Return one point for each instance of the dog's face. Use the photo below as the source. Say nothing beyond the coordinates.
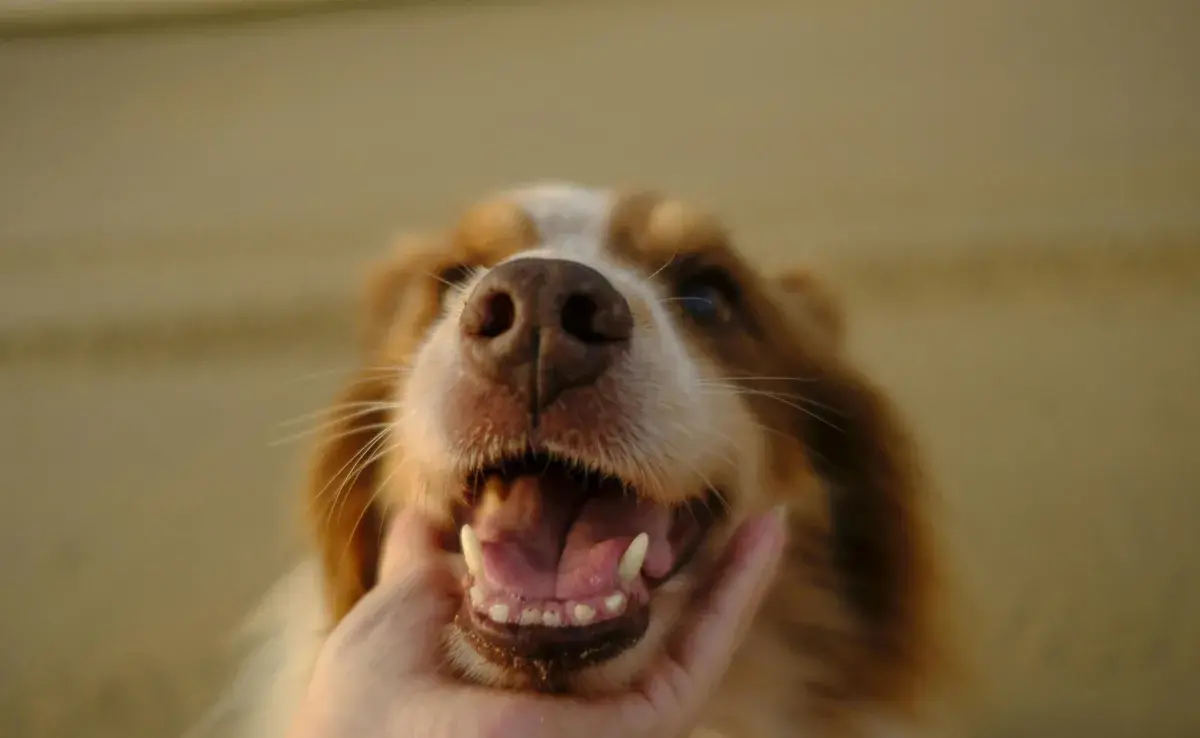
(587, 392)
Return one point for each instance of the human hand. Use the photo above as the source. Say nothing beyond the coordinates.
(378, 673)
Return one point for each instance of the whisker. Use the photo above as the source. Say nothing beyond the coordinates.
(731, 445)
(359, 408)
(756, 378)
(379, 451)
(439, 278)
(664, 266)
(815, 416)
(769, 429)
(379, 488)
(351, 461)
(784, 399)
(695, 470)
(335, 422)
(368, 377)
(681, 298)
(330, 438)
(373, 370)
(735, 389)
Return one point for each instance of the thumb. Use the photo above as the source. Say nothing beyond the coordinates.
(697, 663)
(399, 622)
(410, 547)
(675, 691)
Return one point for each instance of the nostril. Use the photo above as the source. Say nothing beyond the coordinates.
(497, 316)
(579, 319)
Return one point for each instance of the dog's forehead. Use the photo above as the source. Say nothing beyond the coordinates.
(571, 220)
(619, 232)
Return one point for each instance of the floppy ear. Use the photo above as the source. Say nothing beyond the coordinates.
(343, 481)
(880, 548)
(812, 306)
(389, 286)
(882, 540)
(347, 470)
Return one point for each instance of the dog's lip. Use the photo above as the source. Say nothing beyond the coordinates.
(569, 647)
(522, 453)
(541, 651)
(565, 648)
(471, 472)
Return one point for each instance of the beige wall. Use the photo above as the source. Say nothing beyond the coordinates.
(29, 14)
(184, 212)
(871, 126)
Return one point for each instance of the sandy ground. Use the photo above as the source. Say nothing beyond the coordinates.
(1010, 197)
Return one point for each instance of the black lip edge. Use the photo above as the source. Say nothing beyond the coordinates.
(542, 648)
(502, 463)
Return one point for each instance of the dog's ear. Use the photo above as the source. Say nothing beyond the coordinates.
(882, 540)
(382, 292)
(343, 482)
(861, 588)
(398, 286)
(880, 546)
(811, 305)
(343, 495)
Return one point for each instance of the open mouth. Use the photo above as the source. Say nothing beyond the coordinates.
(563, 560)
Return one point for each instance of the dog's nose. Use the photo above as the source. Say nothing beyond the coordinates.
(543, 326)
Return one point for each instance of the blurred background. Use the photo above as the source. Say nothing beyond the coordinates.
(1007, 192)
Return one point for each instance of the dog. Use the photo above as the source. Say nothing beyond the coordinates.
(588, 390)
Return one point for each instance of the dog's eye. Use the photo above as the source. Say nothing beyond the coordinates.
(707, 298)
(452, 276)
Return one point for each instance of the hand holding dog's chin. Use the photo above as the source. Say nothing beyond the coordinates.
(377, 675)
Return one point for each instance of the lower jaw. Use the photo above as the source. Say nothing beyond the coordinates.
(547, 657)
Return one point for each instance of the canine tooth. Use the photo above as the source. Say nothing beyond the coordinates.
(498, 613)
(615, 602)
(584, 614)
(531, 617)
(551, 619)
(477, 596)
(472, 551)
(633, 558)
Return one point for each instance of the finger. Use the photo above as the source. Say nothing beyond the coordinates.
(410, 546)
(704, 652)
(416, 585)
(399, 623)
(672, 695)
(743, 580)
(668, 701)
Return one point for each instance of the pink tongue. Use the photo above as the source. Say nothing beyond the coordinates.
(523, 541)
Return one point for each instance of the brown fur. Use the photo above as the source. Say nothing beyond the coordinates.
(852, 627)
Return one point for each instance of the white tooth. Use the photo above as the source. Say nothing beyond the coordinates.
(498, 613)
(531, 617)
(615, 602)
(551, 619)
(472, 551)
(584, 614)
(477, 596)
(634, 557)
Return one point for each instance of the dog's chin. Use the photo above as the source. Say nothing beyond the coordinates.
(566, 566)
